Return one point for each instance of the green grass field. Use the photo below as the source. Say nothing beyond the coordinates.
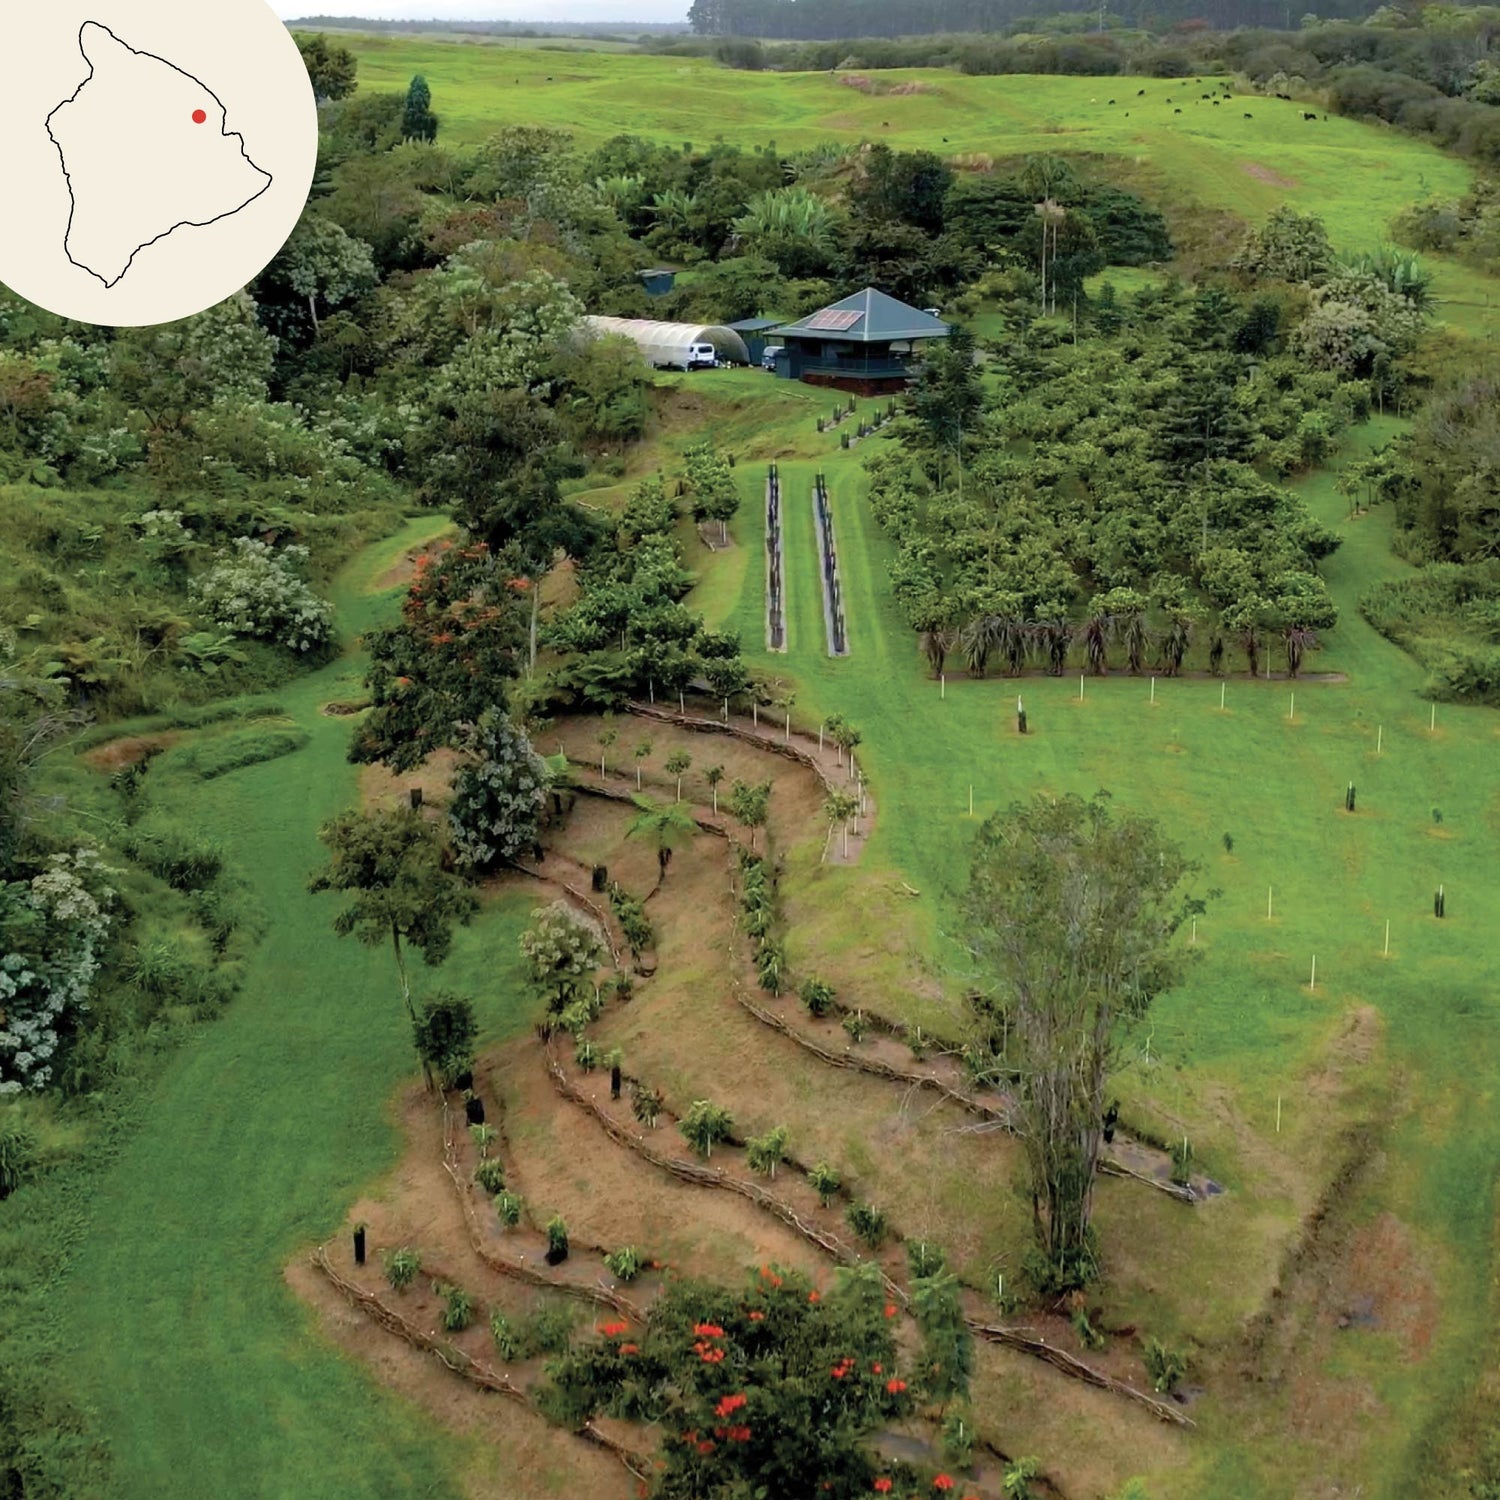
(1247, 1019)
(256, 1137)
(1356, 176)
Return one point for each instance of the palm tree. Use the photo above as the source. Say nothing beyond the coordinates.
(1298, 639)
(1096, 632)
(667, 825)
(1176, 641)
(841, 807)
(714, 775)
(977, 639)
(936, 645)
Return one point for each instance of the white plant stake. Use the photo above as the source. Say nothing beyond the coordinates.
(1387, 952)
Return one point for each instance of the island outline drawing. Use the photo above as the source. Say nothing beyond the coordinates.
(146, 150)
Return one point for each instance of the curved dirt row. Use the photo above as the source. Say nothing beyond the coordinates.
(830, 1244)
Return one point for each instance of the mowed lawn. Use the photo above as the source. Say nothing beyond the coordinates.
(1271, 774)
(1357, 176)
(206, 1371)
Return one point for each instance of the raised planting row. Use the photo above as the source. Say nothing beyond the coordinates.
(775, 587)
(833, 601)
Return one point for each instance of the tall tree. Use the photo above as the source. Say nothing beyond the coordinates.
(667, 825)
(1071, 913)
(331, 70)
(391, 864)
(418, 123)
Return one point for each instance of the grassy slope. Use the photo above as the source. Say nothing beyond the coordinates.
(256, 1138)
(1246, 1019)
(1358, 177)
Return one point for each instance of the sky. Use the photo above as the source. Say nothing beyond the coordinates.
(492, 10)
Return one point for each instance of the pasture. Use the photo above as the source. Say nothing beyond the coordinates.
(1247, 1034)
(1358, 177)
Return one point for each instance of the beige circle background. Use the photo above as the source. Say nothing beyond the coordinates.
(241, 50)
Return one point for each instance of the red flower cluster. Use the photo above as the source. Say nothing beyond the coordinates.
(708, 1330)
(757, 1316)
(734, 1434)
(942, 1482)
(706, 1446)
(883, 1485)
(613, 1330)
(710, 1354)
(842, 1368)
(891, 1309)
(876, 1368)
(895, 1387)
(767, 1274)
(630, 1348)
(728, 1405)
(815, 1296)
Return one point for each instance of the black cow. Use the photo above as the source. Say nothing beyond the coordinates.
(1248, 115)
(1308, 115)
(1176, 111)
(1140, 93)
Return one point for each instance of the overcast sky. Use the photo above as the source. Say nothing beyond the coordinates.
(493, 10)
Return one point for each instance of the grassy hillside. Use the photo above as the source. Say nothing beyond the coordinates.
(1356, 176)
(1246, 1029)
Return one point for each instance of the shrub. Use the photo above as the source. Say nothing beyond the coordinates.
(508, 1206)
(868, 1223)
(550, 1328)
(490, 1174)
(1164, 1366)
(557, 1240)
(766, 1152)
(925, 1259)
(826, 1182)
(704, 1125)
(857, 1027)
(770, 967)
(18, 1150)
(255, 591)
(401, 1267)
(186, 861)
(1018, 1477)
(1182, 1162)
(626, 1263)
(444, 1034)
(817, 995)
(509, 1344)
(483, 1136)
(246, 747)
(586, 1055)
(458, 1308)
(561, 952)
(646, 1104)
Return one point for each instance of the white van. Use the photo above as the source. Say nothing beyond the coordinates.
(702, 357)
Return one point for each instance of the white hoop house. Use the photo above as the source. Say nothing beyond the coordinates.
(675, 345)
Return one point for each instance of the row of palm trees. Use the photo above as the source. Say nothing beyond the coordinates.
(1015, 644)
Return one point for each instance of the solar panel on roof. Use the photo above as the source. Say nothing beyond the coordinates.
(834, 320)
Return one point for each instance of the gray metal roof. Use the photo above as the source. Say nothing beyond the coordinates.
(753, 325)
(868, 317)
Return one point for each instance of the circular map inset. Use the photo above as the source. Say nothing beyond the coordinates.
(159, 154)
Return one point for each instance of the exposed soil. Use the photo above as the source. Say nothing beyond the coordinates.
(404, 569)
(1265, 174)
(130, 750)
(379, 786)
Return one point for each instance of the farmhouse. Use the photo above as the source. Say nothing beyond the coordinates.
(864, 344)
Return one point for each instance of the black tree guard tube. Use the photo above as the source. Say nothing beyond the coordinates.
(833, 599)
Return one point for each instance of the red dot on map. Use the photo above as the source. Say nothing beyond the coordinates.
(199, 116)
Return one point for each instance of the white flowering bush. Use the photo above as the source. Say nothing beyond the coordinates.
(497, 804)
(52, 930)
(256, 591)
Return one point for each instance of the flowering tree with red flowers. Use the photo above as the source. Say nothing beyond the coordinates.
(461, 637)
(773, 1390)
